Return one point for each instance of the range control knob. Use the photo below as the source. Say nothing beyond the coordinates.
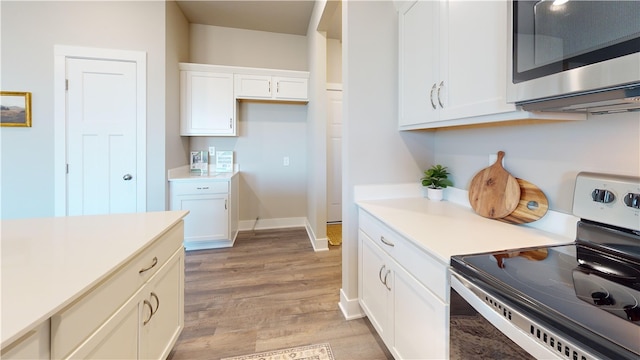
(603, 196)
(632, 200)
(633, 312)
(602, 298)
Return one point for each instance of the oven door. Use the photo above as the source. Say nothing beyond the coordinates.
(471, 336)
(520, 334)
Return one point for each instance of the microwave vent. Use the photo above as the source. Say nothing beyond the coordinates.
(625, 98)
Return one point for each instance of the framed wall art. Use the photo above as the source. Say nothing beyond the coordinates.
(15, 108)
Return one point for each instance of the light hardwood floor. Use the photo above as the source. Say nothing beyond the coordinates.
(270, 291)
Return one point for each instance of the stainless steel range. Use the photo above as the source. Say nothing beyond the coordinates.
(574, 301)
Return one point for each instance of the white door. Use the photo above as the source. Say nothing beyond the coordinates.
(101, 136)
(334, 156)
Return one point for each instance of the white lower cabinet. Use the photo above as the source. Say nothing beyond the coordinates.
(137, 313)
(212, 221)
(160, 322)
(409, 317)
(419, 320)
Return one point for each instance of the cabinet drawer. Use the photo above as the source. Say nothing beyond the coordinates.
(423, 267)
(71, 326)
(199, 187)
(379, 233)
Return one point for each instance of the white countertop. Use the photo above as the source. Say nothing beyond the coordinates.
(183, 173)
(444, 229)
(49, 262)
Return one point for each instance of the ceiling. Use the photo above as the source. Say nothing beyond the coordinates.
(286, 17)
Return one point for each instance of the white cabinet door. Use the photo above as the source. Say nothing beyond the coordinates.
(207, 104)
(117, 338)
(474, 62)
(452, 61)
(420, 320)
(252, 86)
(419, 63)
(208, 217)
(374, 294)
(162, 309)
(265, 87)
(287, 88)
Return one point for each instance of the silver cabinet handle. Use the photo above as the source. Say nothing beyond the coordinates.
(127, 177)
(440, 88)
(230, 123)
(269, 87)
(154, 263)
(386, 242)
(433, 88)
(225, 204)
(147, 303)
(385, 280)
(380, 273)
(153, 295)
(202, 188)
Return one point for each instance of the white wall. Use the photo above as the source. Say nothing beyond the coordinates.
(334, 61)
(238, 47)
(548, 155)
(29, 32)
(374, 151)
(267, 132)
(317, 130)
(177, 50)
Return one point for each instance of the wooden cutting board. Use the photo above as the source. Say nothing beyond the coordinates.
(494, 193)
(532, 206)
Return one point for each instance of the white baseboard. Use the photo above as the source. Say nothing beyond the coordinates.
(204, 245)
(321, 244)
(265, 224)
(350, 307)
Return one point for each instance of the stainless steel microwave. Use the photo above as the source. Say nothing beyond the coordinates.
(574, 55)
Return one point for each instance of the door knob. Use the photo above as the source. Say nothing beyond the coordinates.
(127, 177)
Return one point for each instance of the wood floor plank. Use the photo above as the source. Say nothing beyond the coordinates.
(270, 291)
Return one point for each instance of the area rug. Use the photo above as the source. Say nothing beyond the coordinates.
(334, 233)
(310, 352)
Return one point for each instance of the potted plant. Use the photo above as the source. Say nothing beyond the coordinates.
(436, 180)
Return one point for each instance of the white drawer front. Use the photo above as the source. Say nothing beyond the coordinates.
(379, 233)
(426, 269)
(71, 326)
(199, 187)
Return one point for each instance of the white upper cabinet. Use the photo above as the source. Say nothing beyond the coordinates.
(209, 94)
(419, 65)
(265, 87)
(207, 105)
(452, 66)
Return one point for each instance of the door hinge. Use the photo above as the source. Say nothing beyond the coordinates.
(66, 84)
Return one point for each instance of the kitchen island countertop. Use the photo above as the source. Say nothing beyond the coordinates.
(444, 229)
(47, 263)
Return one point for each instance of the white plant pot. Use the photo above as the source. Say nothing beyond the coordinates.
(435, 194)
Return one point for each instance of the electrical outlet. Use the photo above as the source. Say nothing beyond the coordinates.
(285, 161)
(493, 158)
(212, 151)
